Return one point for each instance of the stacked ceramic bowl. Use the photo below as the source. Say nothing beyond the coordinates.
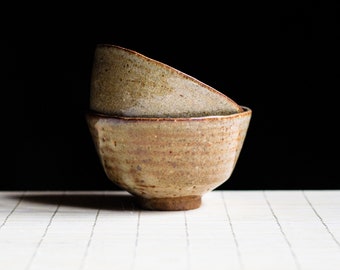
(160, 134)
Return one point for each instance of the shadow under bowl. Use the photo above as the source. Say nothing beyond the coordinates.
(169, 163)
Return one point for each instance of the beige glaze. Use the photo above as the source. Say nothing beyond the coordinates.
(127, 83)
(169, 163)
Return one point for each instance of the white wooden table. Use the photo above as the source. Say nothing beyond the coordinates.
(231, 230)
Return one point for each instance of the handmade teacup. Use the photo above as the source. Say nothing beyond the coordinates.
(127, 83)
(169, 163)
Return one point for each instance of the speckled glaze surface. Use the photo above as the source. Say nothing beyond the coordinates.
(169, 163)
(127, 83)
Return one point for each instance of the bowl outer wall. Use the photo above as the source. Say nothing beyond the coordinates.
(169, 157)
(127, 83)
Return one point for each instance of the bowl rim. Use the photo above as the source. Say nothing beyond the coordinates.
(246, 111)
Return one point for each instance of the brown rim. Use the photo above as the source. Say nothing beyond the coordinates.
(246, 111)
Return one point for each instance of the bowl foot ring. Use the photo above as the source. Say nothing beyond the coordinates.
(170, 204)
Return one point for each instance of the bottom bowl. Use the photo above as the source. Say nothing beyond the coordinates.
(169, 163)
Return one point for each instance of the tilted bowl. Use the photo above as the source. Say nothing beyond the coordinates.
(127, 83)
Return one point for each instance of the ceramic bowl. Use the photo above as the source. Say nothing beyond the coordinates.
(169, 163)
(127, 83)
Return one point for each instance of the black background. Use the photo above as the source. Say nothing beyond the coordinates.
(278, 59)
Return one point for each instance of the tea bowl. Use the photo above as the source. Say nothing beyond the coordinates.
(169, 163)
(127, 83)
